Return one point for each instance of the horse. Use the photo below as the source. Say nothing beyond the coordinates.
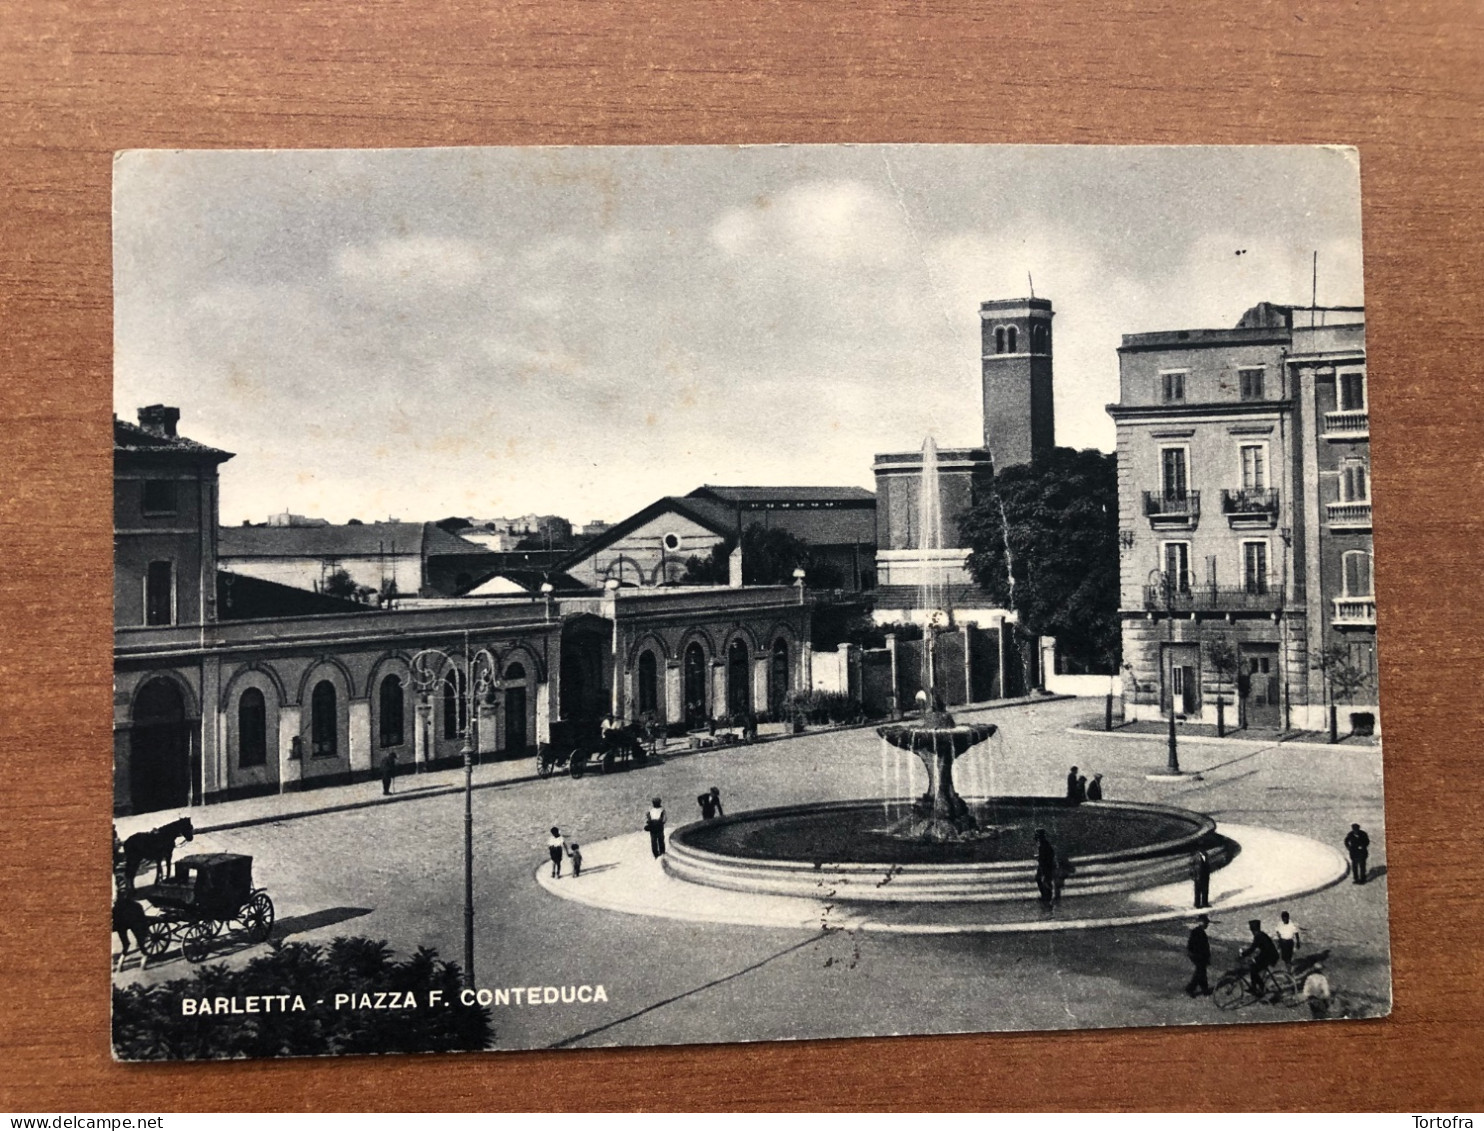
(157, 845)
(129, 917)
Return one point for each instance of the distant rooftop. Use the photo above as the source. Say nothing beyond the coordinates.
(782, 496)
(353, 540)
(1264, 323)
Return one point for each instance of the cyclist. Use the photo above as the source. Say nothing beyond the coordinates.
(1260, 956)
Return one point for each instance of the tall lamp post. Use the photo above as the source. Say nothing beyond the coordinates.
(478, 679)
(799, 582)
(1165, 580)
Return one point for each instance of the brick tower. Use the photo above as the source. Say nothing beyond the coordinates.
(1019, 421)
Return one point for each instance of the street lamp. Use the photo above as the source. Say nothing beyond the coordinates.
(1165, 580)
(546, 591)
(477, 681)
(799, 582)
(611, 587)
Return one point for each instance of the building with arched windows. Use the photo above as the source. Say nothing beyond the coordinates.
(228, 685)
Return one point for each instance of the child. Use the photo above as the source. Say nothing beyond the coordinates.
(574, 850)
(554, 846)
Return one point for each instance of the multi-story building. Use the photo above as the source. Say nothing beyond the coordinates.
(1243, 486)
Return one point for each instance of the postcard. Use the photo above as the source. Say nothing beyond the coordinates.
(571, 597)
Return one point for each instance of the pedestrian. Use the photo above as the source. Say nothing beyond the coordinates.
(556, 847)
(1286, 934)
(1198, 949)
(574, 850)
(1200, 875)
(1358, 844)
(1072, 786)
(1095, 788)
(1046, 881)
(1261, 954)
(1316, 992)
(654, 825)
(749, 727)
(1081, 794)
(388, 771)
(710, 804)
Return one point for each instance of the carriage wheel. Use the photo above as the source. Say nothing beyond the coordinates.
(610, 759)
(257, 917)
(157, 938)
(1230, 992)
(578, 765)
(544, 766)
(195, 942)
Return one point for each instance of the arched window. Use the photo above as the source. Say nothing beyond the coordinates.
(739, 678)
(515, 673)
(778, 677)
(649, 684)
(999, 339)
(252, 729)
(1010, 340)
(1357, 571)
(323, 740)
(455, 704)
(695, 684)
(389, 708)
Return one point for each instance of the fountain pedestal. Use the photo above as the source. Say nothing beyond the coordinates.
(940, 814)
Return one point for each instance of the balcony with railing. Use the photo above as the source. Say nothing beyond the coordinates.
(1349, 424)
(1184, 594)
(1353, 514)
(1251, 508)
(1355, 612)
(1166, 510)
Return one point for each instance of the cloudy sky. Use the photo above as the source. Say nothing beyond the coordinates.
(417, 333)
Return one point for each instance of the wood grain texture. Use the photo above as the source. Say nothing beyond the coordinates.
(79, 80)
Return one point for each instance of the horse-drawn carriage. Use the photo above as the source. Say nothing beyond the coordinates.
(206, 895)
(578, 745)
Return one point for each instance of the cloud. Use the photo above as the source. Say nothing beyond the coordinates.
(402, 263)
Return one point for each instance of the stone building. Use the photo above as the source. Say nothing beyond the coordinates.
(1225, 515)
(268, 687)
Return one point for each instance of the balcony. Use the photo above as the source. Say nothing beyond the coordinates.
(1251, 508)
(1355, 612)
(1354, 515)
(1170, 511)
(1258, 595)
(1351, 425)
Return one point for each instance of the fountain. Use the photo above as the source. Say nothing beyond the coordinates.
(945, 848)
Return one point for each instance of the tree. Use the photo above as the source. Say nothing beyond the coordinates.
(1044, 543)
(149, 1022)
(1342, 679)
(1224, 660)
(453, 524)
(339, 583)
(769, 557)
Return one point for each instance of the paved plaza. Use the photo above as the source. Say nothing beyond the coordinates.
(347, 863)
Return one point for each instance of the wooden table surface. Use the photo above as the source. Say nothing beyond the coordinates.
(81, 79)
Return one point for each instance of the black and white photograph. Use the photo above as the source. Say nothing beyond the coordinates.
(570, 597)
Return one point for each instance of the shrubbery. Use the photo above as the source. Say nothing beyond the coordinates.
(825, 707)
(149, 1022)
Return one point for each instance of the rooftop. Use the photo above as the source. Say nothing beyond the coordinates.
(369, 539)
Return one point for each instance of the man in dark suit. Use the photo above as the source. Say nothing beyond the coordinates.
(1047, 881)
(1200, 874)
(1261, 954)
(1072, 786)
(1358, 844)
(1198, 948)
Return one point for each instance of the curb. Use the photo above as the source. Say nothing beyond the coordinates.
(444, 790)
(1206, 740)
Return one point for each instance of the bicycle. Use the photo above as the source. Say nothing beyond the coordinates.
(1234, 989)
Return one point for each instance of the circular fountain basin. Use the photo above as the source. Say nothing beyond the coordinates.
(845, 850)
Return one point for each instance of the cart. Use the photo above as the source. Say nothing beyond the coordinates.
(207, 895)
(576, 745)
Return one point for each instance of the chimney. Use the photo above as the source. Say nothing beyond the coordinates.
(159, 419)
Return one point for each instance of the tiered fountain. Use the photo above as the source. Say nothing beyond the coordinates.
(939, 846)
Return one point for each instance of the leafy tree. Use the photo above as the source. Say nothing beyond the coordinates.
(149, 1022)
(1052, 526)
(339, 583)
(1342, 679)
(769, 557)
(1224, 660)
(453, 524)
